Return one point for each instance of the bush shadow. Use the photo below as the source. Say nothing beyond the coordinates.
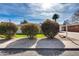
(3, 40)
(22, 43)
(50, 43)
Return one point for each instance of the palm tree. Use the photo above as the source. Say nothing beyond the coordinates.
(23, 22)
(55, 17)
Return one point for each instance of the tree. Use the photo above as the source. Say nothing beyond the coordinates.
(8, 29)
(55, 17)
(23, 22)
(50, 28)
(75, 17)
(30, 29)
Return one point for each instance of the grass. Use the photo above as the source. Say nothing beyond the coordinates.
(21, 35)
(40, 36)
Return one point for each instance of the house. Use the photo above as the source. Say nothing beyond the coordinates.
(19, 30)
(71, 27)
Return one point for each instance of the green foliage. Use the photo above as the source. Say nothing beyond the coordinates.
(24, 21)
(30, 29)
(55, 16)
(50, 28)
(8, 29)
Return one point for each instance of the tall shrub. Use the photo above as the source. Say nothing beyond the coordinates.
(50, 28)
(8, 29)
(30, 29)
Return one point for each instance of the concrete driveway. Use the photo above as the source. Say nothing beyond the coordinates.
(58, 42)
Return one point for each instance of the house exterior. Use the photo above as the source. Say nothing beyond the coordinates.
(19, 30)
(71, 27)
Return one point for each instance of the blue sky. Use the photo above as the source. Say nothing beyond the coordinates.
(36, 12)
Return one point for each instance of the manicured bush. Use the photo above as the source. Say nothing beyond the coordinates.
(30, 29)
(50, 28)
(8, 29)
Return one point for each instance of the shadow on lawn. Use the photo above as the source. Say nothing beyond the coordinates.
(50, 43)
(21, 43)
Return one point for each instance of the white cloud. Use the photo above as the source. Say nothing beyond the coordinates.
(37, 10)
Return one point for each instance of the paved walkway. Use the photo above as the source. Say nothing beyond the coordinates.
(39, 43)
(74, 36)
(58, 42)
(34, 43)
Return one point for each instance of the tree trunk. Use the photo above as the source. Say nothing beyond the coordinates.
(55, 20)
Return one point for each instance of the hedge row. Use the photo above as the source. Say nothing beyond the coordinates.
(48, 27)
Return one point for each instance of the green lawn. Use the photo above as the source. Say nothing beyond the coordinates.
(40, 35)
(21, 35)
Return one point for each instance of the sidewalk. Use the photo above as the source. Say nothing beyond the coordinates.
(74, 36)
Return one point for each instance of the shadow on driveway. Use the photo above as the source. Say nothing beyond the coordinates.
(42, 43)
(50, 43)
(3, 40)
(22, 43)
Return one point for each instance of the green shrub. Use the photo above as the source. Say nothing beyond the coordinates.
(8, 29)
(30, 29)
(50, 28)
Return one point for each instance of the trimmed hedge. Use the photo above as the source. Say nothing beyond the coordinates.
(8, 29)
(50, 28)
(30, 29)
